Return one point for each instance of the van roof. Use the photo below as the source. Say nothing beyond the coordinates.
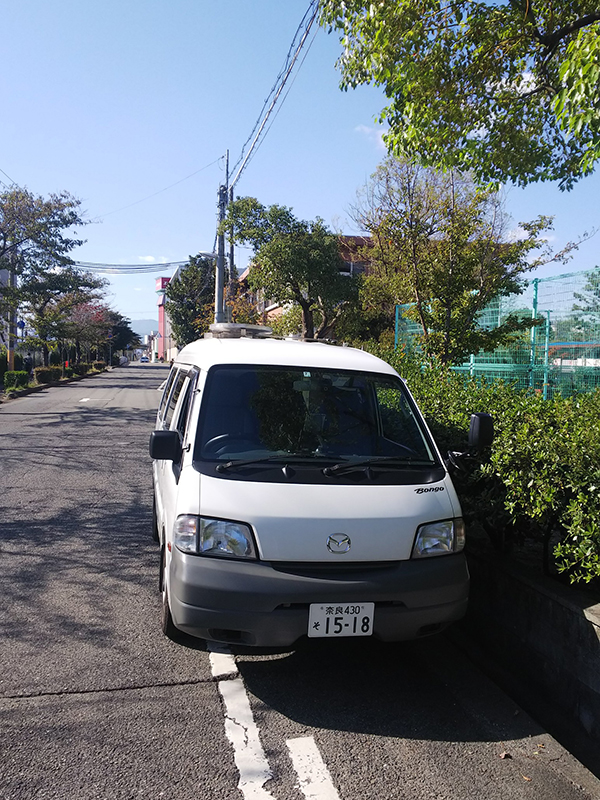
(206, 353)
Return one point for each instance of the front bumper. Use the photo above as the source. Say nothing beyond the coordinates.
(266, 604)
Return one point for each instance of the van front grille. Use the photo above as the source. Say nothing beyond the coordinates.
(332, 570)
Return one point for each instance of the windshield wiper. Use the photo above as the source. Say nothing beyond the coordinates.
(388, 461)
(285, 458)
(243, 462)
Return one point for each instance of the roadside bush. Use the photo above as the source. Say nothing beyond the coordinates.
(3, 362)
(99, 366)
(69, 372)
(15, 379)
(82, 368)
(47, 374)
(540, 479)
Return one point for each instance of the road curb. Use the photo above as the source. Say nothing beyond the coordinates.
(15, 394)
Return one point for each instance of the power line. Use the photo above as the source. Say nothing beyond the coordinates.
(134, 269)
(273, 88)
(160, 191)
(277, 89)
(14, 183)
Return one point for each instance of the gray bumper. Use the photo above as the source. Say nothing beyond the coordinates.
(263, 604)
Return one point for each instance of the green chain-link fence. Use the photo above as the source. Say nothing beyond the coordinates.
(559, 355)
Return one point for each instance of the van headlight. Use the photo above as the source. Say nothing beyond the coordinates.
(439, 538)
(213, 537)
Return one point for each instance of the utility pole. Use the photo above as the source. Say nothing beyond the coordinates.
(231, 244)
(12, 317)
(220, 273)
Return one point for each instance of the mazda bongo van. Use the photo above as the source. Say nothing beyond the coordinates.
(298, 492)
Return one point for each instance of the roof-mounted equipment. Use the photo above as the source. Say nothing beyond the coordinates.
(237, 330)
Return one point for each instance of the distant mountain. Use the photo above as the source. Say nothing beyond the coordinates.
(143, 326)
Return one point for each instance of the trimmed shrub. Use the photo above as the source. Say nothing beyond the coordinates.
(99, 366)
(69, 372)
(15, 379)
(82, 368)
(47, 374)
(539, 481)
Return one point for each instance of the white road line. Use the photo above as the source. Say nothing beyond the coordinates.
(313, 775)
(242, 732)
(84, 400)
(222, 663)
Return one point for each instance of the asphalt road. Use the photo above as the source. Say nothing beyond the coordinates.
(96, 703)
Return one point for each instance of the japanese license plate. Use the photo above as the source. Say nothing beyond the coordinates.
(341, 619)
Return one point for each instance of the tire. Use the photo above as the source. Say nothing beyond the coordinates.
(166, 620)
(155, 535)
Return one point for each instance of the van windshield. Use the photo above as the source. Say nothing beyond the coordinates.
(264, 412)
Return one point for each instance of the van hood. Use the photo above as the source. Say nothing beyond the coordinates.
(293, 522)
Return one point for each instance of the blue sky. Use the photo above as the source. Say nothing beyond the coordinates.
(114, 101)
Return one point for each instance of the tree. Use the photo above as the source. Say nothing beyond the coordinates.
(509, 90)
(295, 262)
(33, 230)
(35, 241)
(239, 302)
(88, 329)
(122, 336)
(439, 246)
(49, 298)
(190, 300)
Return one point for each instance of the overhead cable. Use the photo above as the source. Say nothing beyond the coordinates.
(160, 191)
(131, 269)
(314, 7)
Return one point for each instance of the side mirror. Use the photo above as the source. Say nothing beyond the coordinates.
(481, 431)
(165, 446)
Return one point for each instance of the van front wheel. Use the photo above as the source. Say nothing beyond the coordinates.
(166, 621)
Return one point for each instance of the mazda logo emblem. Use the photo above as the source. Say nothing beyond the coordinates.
(338, 543)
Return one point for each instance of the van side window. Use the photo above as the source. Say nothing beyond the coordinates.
(166, 392)
(184, 409)
(180, 380)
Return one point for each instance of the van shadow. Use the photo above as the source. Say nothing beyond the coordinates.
(421, 690)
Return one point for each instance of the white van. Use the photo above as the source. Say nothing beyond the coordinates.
(298, 492)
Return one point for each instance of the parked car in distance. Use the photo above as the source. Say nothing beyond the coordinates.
(144, 359)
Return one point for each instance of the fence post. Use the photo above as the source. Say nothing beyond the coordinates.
(534, 312)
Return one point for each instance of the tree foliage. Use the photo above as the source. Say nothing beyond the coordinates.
(439, 246)
(35, 231)
(36, 237)
(509, 90)
(48, 299)
(295, 262)
(190, 300)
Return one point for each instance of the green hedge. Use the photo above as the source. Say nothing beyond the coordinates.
(4, 362)
(82, 368)
(15, 379)
(47, 374)
(99, 366)
(540, 479)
